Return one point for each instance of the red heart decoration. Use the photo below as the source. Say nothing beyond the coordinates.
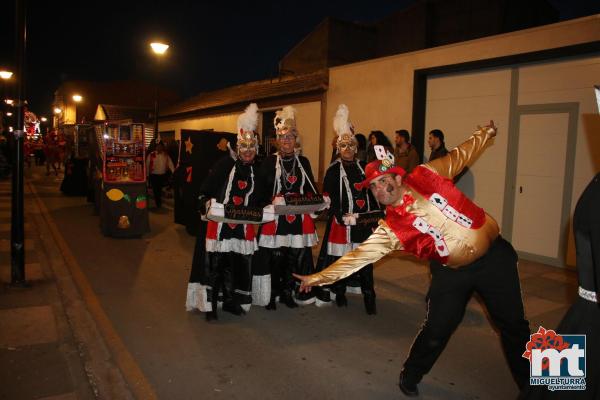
(242, 185)
(232, 226)
(237, 200)
(360, 203)
(290, 218)
(292, 179)
(358, 186)
(440, 247)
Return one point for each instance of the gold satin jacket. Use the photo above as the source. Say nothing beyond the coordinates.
(464, 244)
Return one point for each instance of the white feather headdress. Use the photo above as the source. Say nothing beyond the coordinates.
(341, 123)
(248, 121)
(285, 119)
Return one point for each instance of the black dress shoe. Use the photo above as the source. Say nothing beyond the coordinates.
(272, 305)
(341, 300)
(233, 308)
(288, 300)
(408, 388)
(370, 305)
(211, 316)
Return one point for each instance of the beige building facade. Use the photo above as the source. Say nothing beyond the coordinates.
(536, 84)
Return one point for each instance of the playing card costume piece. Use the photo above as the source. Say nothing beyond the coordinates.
(285, 244)
(199, 151)
(225, 262)
(351, 217)
(583, 318)
(465, 256)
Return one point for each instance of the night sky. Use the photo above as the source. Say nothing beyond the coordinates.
(213, 44)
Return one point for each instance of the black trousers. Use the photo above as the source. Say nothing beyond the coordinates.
(495, 278)
(230, 274)
(364, 276)
(283, 261)
(157, 182)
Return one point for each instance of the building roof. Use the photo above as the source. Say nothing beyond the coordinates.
(253, 91)
(111, 112)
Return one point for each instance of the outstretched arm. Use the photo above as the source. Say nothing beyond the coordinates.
(464, 154)
(381, 242)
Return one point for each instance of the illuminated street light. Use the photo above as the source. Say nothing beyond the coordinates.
(43, 119)
(77, 98)
(9, 102)
(5, 74)
(159, 48)
(57, 110)
(9, 114)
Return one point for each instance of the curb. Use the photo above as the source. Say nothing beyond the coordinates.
(112, 370)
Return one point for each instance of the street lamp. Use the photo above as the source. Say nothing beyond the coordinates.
(77, 99)
(159, 49)
(43, 119)
(5, 74)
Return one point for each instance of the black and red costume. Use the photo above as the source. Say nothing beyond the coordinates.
(343, 185)
(285, 244)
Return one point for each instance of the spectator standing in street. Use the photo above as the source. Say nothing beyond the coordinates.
(361, 141)
(405, 153)
(377, 138)
(157, 165)
(435, 140)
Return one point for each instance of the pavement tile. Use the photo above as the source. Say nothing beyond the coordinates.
(535, 306)
(66, 396)
(26, 326)
(33, 272)
(5, 227)
(565, 276)
(5, 244)
(34, 372)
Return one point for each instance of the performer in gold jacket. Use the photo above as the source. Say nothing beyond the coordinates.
(429, 217)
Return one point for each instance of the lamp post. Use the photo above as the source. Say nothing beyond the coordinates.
(17, 233)
(77, 98)
(159, 49)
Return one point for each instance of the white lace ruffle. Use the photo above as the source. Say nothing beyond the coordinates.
(588, 295)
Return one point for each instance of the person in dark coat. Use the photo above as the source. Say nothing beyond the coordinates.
(346, 226)
(223, 257)
(285, 244)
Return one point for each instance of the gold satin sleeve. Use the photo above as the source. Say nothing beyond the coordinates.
(381, 242)
(462, 155)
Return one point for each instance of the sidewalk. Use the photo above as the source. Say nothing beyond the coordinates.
(50, 347)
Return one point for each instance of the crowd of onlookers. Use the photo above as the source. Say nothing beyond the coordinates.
(49, 149)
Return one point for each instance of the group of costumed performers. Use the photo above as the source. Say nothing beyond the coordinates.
(427, 216)
(237, 199)
(353, 215)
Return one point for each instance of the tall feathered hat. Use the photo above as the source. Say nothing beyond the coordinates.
(343, 127)
(246, 127)
(285, 121)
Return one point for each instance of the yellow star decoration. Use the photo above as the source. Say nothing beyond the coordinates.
(188, 145)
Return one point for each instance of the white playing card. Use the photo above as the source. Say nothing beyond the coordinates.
(437, 200)
(450, 212)
(381, 153)
(464, 221)
(442, 248)
(434, 233)
(420, 224)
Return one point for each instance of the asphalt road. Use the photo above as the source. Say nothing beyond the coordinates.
(305, 353)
